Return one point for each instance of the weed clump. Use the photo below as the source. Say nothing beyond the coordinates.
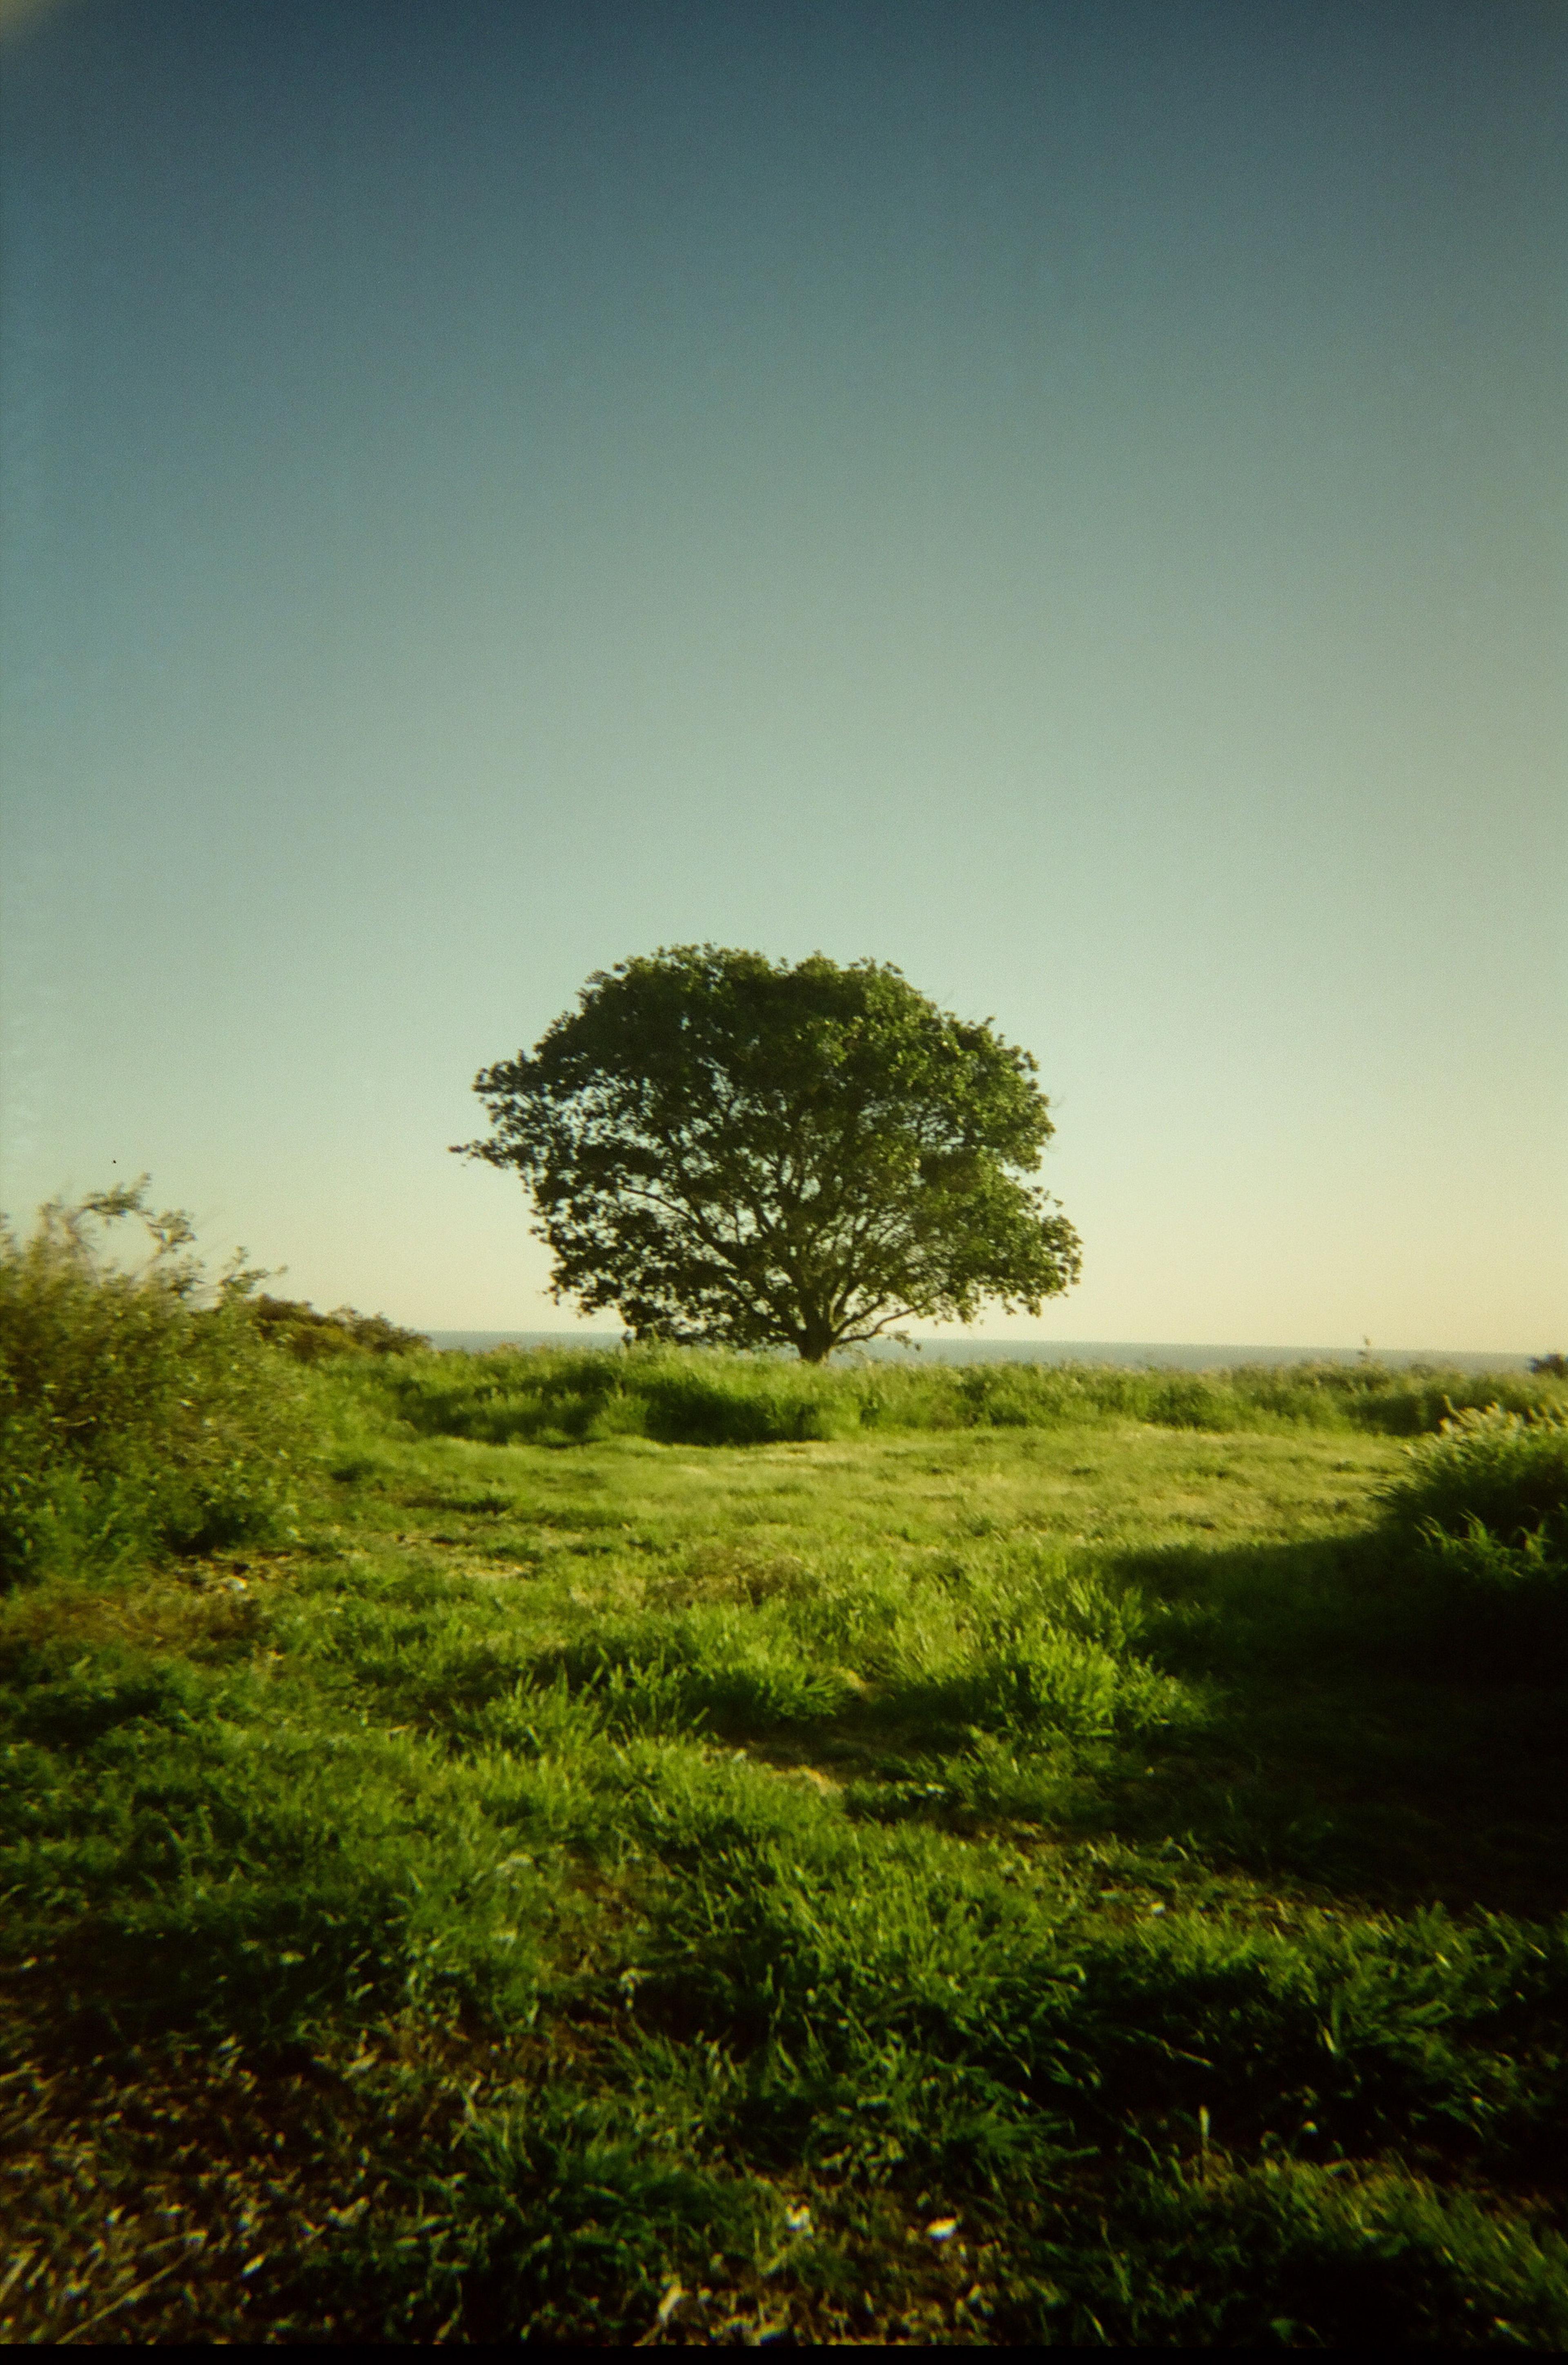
(135, 1418)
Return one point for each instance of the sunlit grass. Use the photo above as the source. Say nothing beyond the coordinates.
(554, 1395)
(981, 1883)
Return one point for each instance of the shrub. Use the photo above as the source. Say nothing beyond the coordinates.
(1484, 1507)
(310, 1338)
(134, 1417)
(1506, 1471)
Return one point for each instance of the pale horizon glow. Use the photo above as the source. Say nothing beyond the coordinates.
(1071, 500)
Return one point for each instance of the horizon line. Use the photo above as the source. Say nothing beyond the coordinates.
(1186, 1345)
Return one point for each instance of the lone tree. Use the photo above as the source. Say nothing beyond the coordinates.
(730, 1149)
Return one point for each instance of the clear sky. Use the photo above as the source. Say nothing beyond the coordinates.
(1070, 499)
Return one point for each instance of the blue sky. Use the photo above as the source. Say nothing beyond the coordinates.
(1068, 498)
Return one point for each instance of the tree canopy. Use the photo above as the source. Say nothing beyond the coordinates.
(732, 1150)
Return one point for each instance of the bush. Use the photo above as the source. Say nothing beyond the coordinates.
(1505, 1470)
(311, 1338)
(1483, 1510)
(135, 1418)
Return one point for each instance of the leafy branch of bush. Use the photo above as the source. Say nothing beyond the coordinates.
(310, 1338)
(140, 1410)
(1506, 1470)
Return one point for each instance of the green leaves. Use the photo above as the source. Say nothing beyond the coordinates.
(733, 1151)
(133, 1420)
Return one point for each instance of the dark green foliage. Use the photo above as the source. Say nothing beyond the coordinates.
(732, 1150)
(1415, 1402)
(1288, 2254)
(555, 1396)
(134, 1417)
(576, 2203)
(1483, 1512)
(1508, 1469)
(312, 1337)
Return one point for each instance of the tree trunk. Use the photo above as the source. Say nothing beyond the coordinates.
(815, 1338)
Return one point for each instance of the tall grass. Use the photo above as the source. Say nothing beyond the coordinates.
(140, 1412)
(1506, 1471)
(555, 1396)
(1481, 1510)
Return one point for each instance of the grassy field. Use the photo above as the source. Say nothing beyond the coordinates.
(1038, 1858)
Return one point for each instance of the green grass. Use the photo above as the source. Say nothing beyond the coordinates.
(554, 1395)
(684, 1848)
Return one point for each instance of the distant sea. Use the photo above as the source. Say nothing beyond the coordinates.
(1137, 1353)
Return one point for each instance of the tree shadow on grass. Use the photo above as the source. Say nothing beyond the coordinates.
(1364, 1739)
